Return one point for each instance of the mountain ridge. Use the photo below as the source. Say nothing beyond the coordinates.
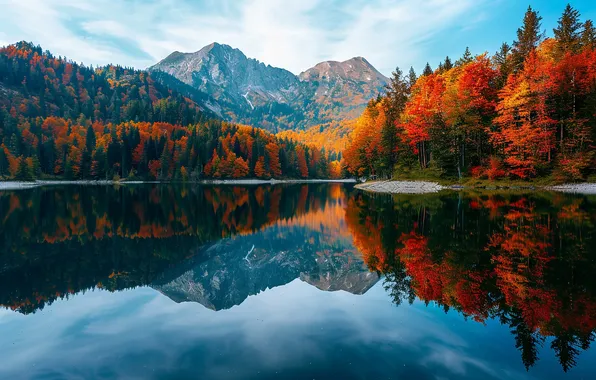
(226, 273)
(252, 92)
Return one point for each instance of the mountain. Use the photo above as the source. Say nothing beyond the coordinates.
(250, 92)
(228, 272)
(226, 72)
(344, 87)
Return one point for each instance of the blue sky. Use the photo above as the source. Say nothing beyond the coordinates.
(293, 34)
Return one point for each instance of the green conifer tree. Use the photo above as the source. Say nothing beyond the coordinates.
(529, 37)
(588, 38)
(23, 172)
(568, 31)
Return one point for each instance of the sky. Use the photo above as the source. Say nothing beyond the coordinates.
(292, 34)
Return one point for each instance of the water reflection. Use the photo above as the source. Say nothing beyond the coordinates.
(522, 261)
(60, 241)
(313, 246)
(525, 260)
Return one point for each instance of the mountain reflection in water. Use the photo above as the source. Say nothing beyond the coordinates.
(523, 261)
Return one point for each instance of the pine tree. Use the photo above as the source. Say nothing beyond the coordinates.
(427, 70)
(448, 65)
(588, 39)
(14, 146)
(466, 58)
(48, 156)
(68, 170)
(115, 108)
(35, 167)
(99, 163)
(566, 347)
(397, 94)
(23, 172)
(412, 78)
(164, 162)
(389, 141)
(86, 164)
(527, 341)
(3, 162)
(568, 31)
(502, 59)
(397, 97)
(529, 37)
(90, 139)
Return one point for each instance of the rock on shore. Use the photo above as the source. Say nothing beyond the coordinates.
(401, 187)
(16, 185)
(579, 188)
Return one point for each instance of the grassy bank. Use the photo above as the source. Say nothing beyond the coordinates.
(431, 175)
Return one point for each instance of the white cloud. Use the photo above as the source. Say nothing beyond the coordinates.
(108, 27)
(293, 34)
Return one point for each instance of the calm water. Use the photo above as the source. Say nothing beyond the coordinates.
(295, 282)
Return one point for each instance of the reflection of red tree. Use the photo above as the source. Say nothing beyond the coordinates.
(516, 277)
(520, 263)
(366, 236)
(428, 277)
(443, 281)
(472, 295)
(522, 255)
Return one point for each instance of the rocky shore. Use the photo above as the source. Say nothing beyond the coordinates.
(271, 181)
(18, 185)
(401, 187)
(579, 188)
(423, 187)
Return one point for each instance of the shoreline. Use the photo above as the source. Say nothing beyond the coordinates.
(379, 187)
(426, 187)
(401, 187)
(20, 185)
(269, 181)
(574, 188)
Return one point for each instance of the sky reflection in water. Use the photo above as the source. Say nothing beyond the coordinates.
(273, 319)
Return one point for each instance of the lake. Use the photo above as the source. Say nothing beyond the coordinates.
(295, 282)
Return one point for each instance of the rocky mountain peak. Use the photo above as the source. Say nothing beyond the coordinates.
(248, 91)
(356, 68)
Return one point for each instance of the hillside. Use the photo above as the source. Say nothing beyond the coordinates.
(37, 84)
(333, 137)
(59, 119)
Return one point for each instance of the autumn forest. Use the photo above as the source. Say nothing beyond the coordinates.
(525, 112)
(64, 120)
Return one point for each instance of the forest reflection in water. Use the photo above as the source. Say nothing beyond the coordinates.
(524, 260)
